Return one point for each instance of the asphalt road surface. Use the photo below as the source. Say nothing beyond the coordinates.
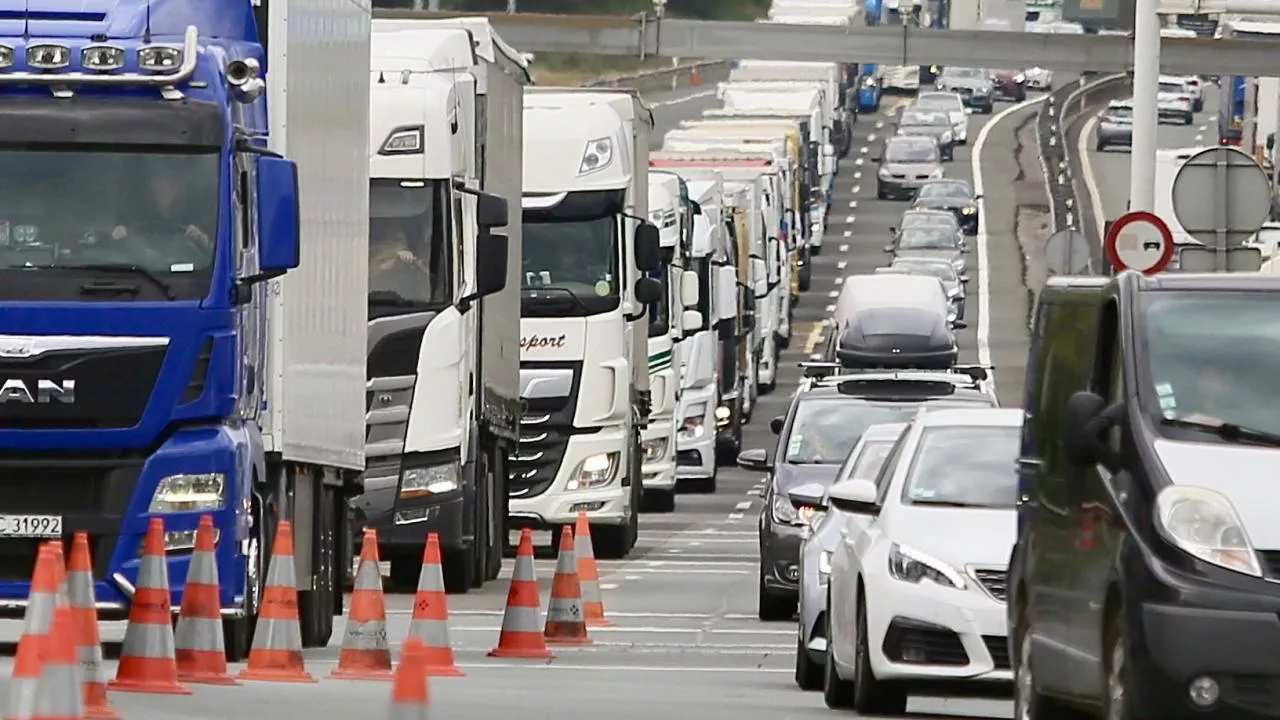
(686, 642)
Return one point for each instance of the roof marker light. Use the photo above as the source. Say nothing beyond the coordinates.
(47, 56)
(159, 58)
(102, 58)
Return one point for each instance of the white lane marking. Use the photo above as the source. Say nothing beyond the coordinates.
(858, 161)
(839, 281)
(984, 253)
(1199, 139)
(661, 631)
(1090, 184)
(842, 265)
(834, 294)
(744, 505)
(879, 124)
(871, 138)
(853, 203)
(735, 516)
(857, 174)
(844, 248)
(685, 99)
(1203, 128)
(857, 189)
(609, 586)
(829, 308)
(848, 220)
(864, 150)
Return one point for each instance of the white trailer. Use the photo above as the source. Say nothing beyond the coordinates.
(584, 369)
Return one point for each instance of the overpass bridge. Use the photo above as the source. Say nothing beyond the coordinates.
(647, 35)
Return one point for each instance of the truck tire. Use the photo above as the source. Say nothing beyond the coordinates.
(237, 633)
(459, 570)
(614, 542)
(498, 513)
(316, 606)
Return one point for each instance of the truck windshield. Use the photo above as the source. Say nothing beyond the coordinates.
(570, 267)
(410, 248)
(68, 214)
(1207, 355)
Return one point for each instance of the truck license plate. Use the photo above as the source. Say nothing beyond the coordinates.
(37, 526)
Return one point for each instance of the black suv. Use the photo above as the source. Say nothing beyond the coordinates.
(828, 414)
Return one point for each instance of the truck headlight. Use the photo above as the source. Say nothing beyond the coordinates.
(596, 156)
(596, 471)
(653, 450)
(420, 482)
(969, 210)
(692, 428)
(1204, 524)
(913, 566)
(193, 492)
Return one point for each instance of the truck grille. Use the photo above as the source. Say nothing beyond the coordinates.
(18, 556)
(112, 388)
(995, 582)
(537, 458)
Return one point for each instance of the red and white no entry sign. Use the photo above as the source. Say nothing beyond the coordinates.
(1139, 241)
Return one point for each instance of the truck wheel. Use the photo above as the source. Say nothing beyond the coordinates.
(459, 570)
(406, 566)
(315, 607)
(612, 542)
(237, 633)
(493, 560)
(659, 501)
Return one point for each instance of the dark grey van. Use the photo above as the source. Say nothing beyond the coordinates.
(1145, 582)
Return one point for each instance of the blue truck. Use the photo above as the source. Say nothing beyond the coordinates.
(1231, 110)
(182, 289)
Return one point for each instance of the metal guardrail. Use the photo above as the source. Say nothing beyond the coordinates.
(1059, 111)
(670, 78)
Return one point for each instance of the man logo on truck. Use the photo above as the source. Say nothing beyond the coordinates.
(46, 391)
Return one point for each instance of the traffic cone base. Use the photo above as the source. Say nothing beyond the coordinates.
(430, 622)
(409, 690)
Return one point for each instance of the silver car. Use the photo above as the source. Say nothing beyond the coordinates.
(1115, 125)
(952, 281)
(930, 123)
(930, 242)
(906, 163)
(1174, 101)
(863, 463)
(975, 87)
(951, 104)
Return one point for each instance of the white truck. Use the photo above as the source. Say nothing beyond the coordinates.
(443, 335)
(770, 262)
(584, 371)
(841, 104)
(671, 321)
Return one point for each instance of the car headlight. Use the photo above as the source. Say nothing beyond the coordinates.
(883, 174)
(969, 210)
(692, 428)
(596, 471)
(1204, 524)
(653, 450)
(824, 565)
(913, 566)
(190, 493)
(420, 482)
(784, 513)
(953, 293)
(1020, 78)
(946, 137)
(936, 174)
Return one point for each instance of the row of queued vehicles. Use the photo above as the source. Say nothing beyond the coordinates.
(446, 300)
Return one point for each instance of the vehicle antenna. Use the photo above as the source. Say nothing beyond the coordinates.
(146, 33)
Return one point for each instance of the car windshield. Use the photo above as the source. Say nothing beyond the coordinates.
(928, 219)
(1120, 113)
(1171, 88)
(1207, 355)
(941, 270)
(940, 102)
(962, 73)
(927, 238)
(824, 430)
(924, 119)
(970, 466)
(947, 190)
(911, 152)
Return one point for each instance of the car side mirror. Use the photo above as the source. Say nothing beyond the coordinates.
(1088, 417)
(279, 217)
(809, 495)
(959, 325)
(775, 425)
(968, 111)
(893, 229)
(888, 248)
(648, 290)
(491, 211)
(755, 459)
(646, 247)
(854, 496)
(964, 279)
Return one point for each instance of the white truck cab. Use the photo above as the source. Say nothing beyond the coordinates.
(586, 289)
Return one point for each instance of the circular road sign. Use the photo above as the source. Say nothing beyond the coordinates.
(1139, 241)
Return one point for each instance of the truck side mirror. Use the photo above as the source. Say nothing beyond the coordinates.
(690, 320)
(648, 290)
(689, 290)
(491, 210)
(647, 250)
(279, 219)
(491, 275)
(726, 292)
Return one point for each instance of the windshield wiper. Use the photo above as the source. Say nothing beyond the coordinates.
(955, 504)
(121, 268)
(1228, 431)
(572, 296)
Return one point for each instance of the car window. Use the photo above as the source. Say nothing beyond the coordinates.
(929, 219)
(942, 102)
(1173, 88)
(928, 238)
(944, 190)
(941, 270)
(911, 152)
(925, 118)
(1123, 113)
(825, 430)
(884, 478)
(964, 465)
(865, 464)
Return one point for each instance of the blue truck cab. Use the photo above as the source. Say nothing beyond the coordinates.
(144, 224)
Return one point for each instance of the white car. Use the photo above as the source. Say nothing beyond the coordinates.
(1038, 78)
(953, 106)
(1174, 100)
(917, 595)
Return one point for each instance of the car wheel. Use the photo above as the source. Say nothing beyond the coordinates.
(1028, 704)
(771, 607)
(1100, 146)
(1118, 691)
(880, 194)
(808, 672)
(1188, 120)
(837, 693)
(872, 696)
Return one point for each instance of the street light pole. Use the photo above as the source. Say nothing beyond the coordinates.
(1146, 114)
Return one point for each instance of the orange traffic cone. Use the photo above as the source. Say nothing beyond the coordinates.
(24, 684)
(366, 655)
(409, 690)
(430, 622)
(565, 624)
(60, 694)
(200, 649)
(277, 641)
(588, 574)
(520, 636)
(147, 663)
(60, 567)
(695, 78)
(85, 611)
